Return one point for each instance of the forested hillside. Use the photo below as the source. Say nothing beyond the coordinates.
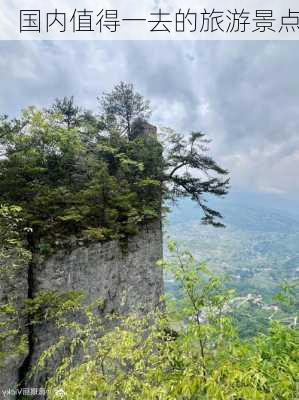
(257, 251)
(258, 247)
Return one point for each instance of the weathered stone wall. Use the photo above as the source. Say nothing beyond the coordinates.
(125, 281)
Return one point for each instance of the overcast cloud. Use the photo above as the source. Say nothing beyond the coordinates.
(244, 95)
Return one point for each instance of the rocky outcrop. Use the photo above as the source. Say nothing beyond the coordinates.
(126, 282)
(142, 128)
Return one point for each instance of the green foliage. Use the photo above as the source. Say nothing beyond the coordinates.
(184, 155)
(289, 294)
(122, 106)
(45, 249)
(251, 320)
(68, 110)
(190, 352)
(75, 173)
(98, 234)
(71, 180)
(13, 263)
(51, 305)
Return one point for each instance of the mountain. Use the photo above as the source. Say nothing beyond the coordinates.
(258, 248)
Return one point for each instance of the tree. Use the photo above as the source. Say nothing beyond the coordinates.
(190, 172)
(68, 110)
(123, 105)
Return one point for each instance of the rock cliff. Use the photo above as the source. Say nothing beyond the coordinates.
(125, 280)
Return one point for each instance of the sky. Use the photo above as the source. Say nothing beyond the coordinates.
(243, 95)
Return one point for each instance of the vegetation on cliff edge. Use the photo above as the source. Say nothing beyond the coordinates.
(76, 173)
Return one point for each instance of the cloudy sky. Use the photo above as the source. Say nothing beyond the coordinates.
(244, 95)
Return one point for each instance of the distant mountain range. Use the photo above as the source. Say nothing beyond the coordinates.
(246, 211)
(258, 249)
